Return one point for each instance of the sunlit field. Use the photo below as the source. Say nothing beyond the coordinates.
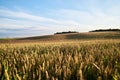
(65, 60)
(59, 39)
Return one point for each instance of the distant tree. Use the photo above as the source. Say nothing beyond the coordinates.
(101, 30)
(66, 32)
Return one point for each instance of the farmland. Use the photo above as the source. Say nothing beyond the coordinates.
(87, 56)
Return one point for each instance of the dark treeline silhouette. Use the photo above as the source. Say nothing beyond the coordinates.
(66, 32)
(101, 30)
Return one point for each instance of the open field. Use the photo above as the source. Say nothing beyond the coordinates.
(93, 57)
(63, 37)
(65, 60)
(59, 39)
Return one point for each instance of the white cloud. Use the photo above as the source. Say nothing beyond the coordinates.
(14, 19)
(22, 15)
(93, 18)
(62, 20)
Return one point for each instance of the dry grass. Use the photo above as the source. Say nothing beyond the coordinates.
(66, 60)
(63, 37)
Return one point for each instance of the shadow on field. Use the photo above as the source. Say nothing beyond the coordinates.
(92, 35)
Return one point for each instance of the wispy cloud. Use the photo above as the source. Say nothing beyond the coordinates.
(93, 18)
(23, 15)
(20, 22)
(15, 22)
(16, 19)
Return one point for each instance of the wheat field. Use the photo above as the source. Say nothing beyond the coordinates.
(65, 60)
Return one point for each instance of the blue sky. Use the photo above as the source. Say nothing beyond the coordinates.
(20, 18)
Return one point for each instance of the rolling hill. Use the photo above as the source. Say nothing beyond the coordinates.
(77, 36)
(69, 36)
